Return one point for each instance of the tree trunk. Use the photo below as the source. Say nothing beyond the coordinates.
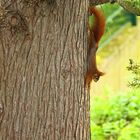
(43, 47)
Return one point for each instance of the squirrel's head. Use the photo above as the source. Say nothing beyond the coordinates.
(97, 75)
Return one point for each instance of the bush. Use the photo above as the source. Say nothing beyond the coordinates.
(134, 68)
(116, 118)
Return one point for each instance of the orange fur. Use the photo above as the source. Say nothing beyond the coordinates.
(95, 34)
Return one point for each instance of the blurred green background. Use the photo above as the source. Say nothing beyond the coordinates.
(115, 107)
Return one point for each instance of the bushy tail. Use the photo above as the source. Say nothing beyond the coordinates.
(99, 23)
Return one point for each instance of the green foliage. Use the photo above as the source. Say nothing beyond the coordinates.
(116, 19)
(116, 118)
(130, 132)
(135, 69)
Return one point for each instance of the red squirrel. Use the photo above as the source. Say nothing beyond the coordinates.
(95, 34)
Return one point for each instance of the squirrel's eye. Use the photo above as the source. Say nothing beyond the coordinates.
(96, 77)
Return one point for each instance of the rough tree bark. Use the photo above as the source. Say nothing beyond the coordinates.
(43, 45)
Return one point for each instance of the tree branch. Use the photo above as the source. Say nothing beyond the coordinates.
(97, 2)
(130, 5)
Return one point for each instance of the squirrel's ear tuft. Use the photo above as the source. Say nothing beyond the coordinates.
(102, 73)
